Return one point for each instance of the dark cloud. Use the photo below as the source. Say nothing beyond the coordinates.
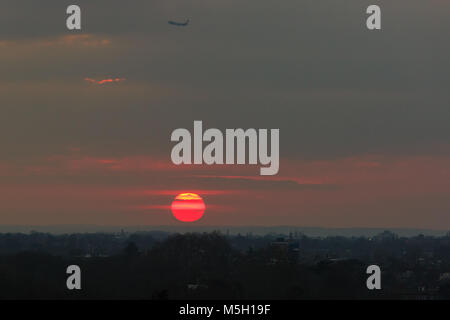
(309, 68)
(257, 184)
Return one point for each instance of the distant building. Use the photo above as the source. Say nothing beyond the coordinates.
(196, 286)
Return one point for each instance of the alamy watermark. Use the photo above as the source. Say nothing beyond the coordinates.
(235, 147)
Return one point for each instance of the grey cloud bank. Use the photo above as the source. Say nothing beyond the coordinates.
(310, 68)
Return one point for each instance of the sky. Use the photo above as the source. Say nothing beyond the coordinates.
(86, 116)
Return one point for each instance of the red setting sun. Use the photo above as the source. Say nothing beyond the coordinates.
(188, 207)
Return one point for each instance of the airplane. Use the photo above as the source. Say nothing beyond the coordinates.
(179, 24)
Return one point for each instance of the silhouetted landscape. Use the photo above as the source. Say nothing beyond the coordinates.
(161, 265)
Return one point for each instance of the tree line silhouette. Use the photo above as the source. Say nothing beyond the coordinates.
(217, 266)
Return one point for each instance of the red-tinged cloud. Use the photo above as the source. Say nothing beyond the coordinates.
(209, 192)
(104, 81)
(161, 208)
(261, 182)
(375, 190)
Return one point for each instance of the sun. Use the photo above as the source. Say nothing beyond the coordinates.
(188, 207)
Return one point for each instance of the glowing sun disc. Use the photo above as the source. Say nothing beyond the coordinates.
(188, 207)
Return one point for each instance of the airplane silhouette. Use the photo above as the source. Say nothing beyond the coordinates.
(179, 24)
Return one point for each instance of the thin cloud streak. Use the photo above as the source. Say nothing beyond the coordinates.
(104, 81)
(74, 40)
